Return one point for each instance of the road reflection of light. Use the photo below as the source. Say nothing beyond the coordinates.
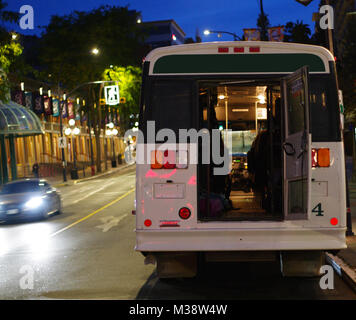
(4, 246)
(39, 240)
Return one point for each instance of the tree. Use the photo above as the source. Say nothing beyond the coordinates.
(297, 32)
(67, 45)
(9, 50)
(347, 74)
(129, 81)
(263, 24)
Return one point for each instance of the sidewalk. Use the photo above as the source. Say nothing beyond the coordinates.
(348, 256)
(57, 181)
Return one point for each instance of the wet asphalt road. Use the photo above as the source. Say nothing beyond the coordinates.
(76, 256)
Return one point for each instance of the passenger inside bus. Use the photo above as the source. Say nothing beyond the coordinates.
(252, 190)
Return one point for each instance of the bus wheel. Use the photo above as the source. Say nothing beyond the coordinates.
(301, 263)
(176, 265)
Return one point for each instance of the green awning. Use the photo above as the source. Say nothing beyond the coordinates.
(17, 120)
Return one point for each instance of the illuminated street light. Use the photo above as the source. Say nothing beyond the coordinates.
(14, 36)
(95, 51)
(67, 131)
(71, 122)
(236, 37)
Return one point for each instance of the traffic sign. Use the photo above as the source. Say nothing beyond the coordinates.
(112, 96)
(62, 142)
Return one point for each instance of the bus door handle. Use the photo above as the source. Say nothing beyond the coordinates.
(288, 149)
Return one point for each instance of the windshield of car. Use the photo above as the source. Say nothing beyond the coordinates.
(21, 187)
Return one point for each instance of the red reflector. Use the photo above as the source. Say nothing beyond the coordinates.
(334, 221)
(239, 49)
(223, 49)
(148, 222)
(169, 224)
(254, 49)
(184, 213)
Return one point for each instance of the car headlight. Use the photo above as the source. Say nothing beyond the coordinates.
(34, 203)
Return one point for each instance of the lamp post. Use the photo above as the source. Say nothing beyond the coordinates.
(113, 133)
(236, 37)
(73, 131)
(61, 105)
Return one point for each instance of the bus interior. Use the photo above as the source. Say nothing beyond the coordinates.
(253, 188)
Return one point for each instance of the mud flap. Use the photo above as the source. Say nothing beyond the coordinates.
(176, 265)
(301, 263)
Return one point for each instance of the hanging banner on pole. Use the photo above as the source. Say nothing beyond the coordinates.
(276, 34)
(252, 34)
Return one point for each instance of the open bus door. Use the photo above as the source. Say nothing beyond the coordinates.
(296, 145)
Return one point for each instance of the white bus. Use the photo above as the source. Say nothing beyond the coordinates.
(284, 197)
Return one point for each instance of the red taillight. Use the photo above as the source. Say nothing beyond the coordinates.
(320, 157)
(169, 159)
(156, 159)
(223, 49)
(239, 49)
(148, 222)
(254, 49)
(184, 213)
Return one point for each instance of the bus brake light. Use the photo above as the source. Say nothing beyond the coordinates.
(169, 159)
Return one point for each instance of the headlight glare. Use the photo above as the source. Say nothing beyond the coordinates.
(34, 203)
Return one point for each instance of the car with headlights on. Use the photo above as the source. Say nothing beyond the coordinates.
(28, 199)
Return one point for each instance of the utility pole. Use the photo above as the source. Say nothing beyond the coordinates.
(61, 131)
(263, 23)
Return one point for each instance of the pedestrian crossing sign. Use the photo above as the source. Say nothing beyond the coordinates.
(62, 142)
(112, 96)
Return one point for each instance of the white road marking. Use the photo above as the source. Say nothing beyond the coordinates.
(110, 222)
(91, 193)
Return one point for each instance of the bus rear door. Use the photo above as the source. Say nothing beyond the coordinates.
(296, 145)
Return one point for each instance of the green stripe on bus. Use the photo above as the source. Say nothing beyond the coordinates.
(232, 63)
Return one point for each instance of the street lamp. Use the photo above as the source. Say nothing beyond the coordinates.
(73, 132)
(95, 51)
(236, 37)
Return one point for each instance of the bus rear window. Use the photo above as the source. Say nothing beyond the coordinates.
(170, 105)
(324, 109)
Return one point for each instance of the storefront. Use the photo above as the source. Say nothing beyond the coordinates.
(19, 131)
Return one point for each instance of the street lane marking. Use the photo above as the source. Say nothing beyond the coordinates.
(93, 213)
(110, 222)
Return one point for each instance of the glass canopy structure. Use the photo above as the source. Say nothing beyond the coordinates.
(18, 121)
(15, 121)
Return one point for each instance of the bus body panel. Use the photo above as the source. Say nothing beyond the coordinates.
(328, 194)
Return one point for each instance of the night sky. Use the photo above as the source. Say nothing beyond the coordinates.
(225, 15)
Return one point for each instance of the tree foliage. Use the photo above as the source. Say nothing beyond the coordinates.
(297, 32)
(68, 41)
(347, 74)
(129, 81)
(9, 50)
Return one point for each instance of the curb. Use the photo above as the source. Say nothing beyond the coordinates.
(343, 270)
(69, 183)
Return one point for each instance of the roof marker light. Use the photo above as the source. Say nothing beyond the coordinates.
(239, 49)
(223, 49)
(255, 49)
